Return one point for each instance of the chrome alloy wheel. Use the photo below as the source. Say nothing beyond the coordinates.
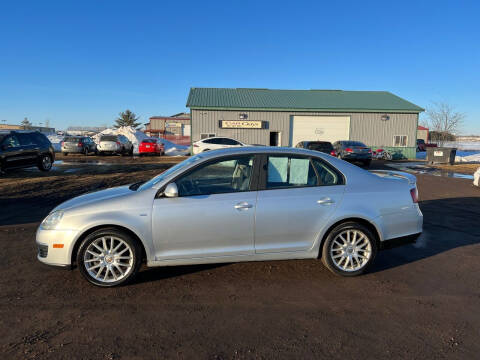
(108, 259)
(350, 250)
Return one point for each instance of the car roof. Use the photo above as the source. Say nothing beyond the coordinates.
(260, 150)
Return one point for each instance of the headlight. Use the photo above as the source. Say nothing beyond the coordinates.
(52, 220)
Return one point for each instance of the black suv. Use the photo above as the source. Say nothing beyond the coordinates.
(19, 149)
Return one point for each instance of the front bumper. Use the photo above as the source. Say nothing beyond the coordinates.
(55, 246)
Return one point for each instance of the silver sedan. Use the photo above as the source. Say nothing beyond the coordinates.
(240, 204)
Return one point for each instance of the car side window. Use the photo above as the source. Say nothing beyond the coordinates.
(326, 175)
(11, 142)
(285, 171)
(25, 139)
(229, 142)
(222, 176)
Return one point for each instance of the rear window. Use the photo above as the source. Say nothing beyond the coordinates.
(320, 146)
(108, 138)
(354, 143)
(71, 139)
(150, 141)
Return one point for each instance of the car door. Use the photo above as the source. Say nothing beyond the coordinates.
(213, 215)
(297, 195)
(11, 152)
(29, 147)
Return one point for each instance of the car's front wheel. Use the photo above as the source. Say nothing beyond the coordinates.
(349, 249)
(109, 257)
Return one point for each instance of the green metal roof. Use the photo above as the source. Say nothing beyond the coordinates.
(298, 100)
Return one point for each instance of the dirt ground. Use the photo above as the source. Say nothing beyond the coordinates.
(417, 301)
(461, 168)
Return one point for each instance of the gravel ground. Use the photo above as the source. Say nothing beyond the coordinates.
(417, 301)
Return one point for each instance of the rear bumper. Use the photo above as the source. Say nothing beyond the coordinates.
(404, 240)
(354, 157)
(72, 150)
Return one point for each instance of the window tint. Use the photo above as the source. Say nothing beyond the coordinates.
(226, 141)
(353, 143)
(11, 141)
(223, 176)
(217, 141)
(41, 139)
(25, 139)
(71, 139)
(320, 146)
(108, 138)
(283, 171)
(326, 174)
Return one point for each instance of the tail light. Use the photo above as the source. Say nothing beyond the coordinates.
(333, 153)
(369, 151)
(63, 143)
(79, 144)
(118, 143)
(414, 194)
(348, 150)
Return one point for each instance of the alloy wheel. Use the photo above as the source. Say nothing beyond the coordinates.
(350, 250)
(108, 259)
(46, 162)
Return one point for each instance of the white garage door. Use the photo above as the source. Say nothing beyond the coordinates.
(324, 128)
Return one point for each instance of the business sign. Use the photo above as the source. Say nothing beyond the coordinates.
(173, 124)
(242, 124)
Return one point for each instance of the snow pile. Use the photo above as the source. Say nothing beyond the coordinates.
(172, 149)
(135, 136)
(476, 177)
(56, 141)
(463, 145)
(473, 158)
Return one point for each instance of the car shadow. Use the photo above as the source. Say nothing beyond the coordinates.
(166, 272)
(448, 224)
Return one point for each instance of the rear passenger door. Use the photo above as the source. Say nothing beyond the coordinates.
(29, 148)
(297, 195)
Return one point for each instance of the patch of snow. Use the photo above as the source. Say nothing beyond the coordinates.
(475, 157)
(172, 149)
(56, 141)
(135, 136)
(463, 145)
(476, 177)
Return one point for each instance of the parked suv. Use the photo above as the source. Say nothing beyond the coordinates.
(78, 144)
(114, 144)
(322, 146)
(20, 149)
(353, 151)
(214, 143)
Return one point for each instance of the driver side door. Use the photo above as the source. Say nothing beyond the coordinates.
(214, 212)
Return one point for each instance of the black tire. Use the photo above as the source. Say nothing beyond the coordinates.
(85, 152)
(327, 258)
(45, 162)
(131, 151)
(106, 233)
(366, 163)
(66, 154)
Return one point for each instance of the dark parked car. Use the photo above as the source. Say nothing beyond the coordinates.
(322, 146)
(19, 149)
(78, 144)
(421, 146)
(353, 151)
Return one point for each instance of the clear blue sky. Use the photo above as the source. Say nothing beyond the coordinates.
(82, 62)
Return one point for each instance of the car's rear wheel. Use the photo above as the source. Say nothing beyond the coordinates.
(109, 257)
(349, 249)
(85, 151)
(65, 153)
(45, 163)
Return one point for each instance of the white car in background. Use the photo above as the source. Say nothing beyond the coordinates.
(114, 144)
(214, 143)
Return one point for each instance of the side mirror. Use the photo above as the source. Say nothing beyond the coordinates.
(171, 190)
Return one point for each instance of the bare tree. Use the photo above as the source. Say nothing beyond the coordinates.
(444, 120)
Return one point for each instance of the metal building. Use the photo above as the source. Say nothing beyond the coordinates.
(286, 117)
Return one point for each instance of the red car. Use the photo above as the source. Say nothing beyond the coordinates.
(152, 147)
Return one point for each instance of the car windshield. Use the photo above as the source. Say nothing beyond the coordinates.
(162, 176)
(108, 138)
(354, 143)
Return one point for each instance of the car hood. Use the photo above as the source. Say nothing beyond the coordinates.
(96, 196)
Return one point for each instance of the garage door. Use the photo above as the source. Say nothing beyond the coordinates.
(325, 128)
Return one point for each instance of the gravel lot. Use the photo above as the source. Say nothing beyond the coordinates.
(417, 301)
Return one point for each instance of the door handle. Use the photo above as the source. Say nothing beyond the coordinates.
(325, 201)
(243, 205)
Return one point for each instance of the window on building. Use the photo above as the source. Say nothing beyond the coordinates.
(400, 140)
(206, 136)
